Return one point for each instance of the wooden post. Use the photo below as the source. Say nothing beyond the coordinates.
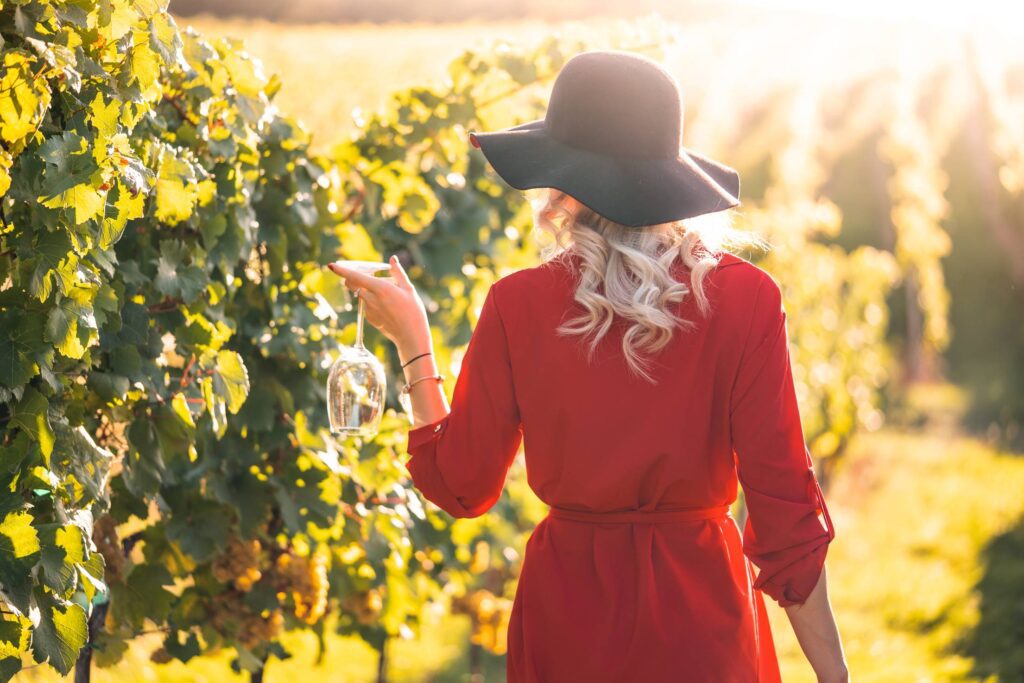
(382, 662)
(83, 667)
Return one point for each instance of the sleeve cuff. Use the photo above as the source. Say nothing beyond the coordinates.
(421, 444)
(418, 436)
(793, 586)
(791, 583)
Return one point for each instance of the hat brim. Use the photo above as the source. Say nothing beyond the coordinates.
(632, 191)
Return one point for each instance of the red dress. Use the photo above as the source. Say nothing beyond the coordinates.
(639, 572)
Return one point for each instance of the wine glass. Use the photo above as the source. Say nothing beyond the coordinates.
(357, 383)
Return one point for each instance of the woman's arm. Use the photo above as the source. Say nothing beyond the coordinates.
(788, 528)
(396, 309)
(428, 400)
(816, 630)
(459, 456)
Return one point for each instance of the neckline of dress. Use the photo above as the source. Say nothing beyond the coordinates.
(725, 258)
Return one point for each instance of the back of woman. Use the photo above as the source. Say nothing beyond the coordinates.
(644, 371)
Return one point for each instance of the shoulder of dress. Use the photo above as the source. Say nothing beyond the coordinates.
(505, 290)
(743, 267)
(525, 278)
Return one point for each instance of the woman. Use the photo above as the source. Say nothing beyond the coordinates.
(635, 433)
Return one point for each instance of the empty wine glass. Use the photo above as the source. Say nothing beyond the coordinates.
(357, 384)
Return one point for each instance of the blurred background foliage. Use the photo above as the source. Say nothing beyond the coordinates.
(884, 164)
(918, 147)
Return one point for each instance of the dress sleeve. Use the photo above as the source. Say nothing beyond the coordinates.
(788, 526)
(460, 461)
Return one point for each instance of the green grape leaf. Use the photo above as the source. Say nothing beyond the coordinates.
(200, 527)
(126, 207)
(9, 667)
(19, 552)
(62, 328)
(84, 201)
(30, 415)
(62, 547)
(175, 279)
(15, 367)
(54, 258)
(61, 633)
(406, 196)
(142, 595)
(91, 577)
(246, 493)
(232, 371)
(12, 455)
(82, 462)
(72, 177)
(144, 464)
(107, 385)
(183, 651)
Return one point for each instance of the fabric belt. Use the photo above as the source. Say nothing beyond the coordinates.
(640, 516)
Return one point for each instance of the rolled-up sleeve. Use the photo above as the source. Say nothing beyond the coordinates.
(460, 462)
(788, 527)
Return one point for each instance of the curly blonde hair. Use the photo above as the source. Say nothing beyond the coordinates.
(626, 271)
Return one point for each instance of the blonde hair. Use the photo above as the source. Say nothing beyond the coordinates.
(626, 271)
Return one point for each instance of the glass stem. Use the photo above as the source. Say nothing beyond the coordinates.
(359, 324)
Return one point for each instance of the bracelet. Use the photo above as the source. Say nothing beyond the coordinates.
(406, 401)
(409, 385)
(414, 358)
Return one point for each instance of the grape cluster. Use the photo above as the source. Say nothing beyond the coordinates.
(489, 615)
(365, 605)
(304, 579)
(104, 535)
(160, 656)
(232, 616)
(239, 564)
(110, 435)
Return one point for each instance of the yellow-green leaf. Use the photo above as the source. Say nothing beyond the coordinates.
(31, 416)
(6, 161)
(22, 540)
(104, 116)
(61, 633)
(232, 370)
(116, 18)
(85, 201)
(180, 406)
(145, 66)
(176, 191)
(23, 98)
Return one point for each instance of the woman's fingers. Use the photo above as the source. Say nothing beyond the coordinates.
(392, 305)
(353, 278)
(399, 274)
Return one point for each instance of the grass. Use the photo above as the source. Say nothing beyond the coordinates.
(924, 575)
(925, 568)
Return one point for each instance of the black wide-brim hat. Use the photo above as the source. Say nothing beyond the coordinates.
(612, 138)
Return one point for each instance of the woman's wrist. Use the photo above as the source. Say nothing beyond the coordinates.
(409, 361)
(420, 367)
(414, 344)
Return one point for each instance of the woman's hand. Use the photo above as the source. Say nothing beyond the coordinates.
(394, 308)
